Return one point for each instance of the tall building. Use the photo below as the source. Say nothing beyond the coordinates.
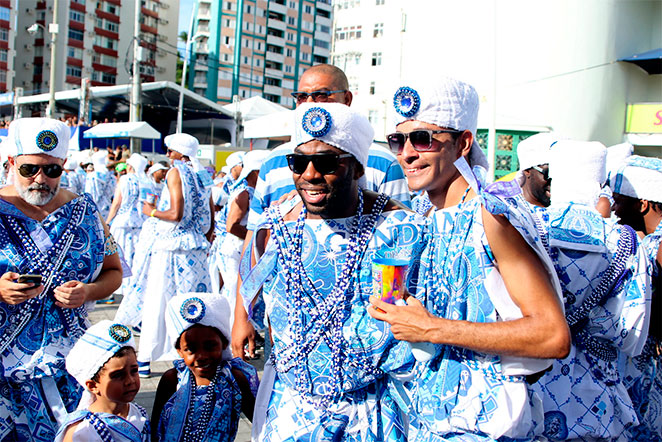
(7, 50)
(257, 47)
(94, 41)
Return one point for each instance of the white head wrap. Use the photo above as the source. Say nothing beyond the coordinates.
(70, 163)
(188, 309)
(252, 161)
(225, 169)
(444, 102)
(616, 155)
(138, 162)
(91, 352)
(185, 144)
(334, 124)
(30, 136)
(639, 177)
(83, 156)
(234, 159)
(100, 160)
(534, 150)
(577, 169)
(155, 168)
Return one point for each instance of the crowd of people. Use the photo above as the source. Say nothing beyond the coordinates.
(527, 312)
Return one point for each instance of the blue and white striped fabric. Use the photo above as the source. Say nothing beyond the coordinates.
(383, 174)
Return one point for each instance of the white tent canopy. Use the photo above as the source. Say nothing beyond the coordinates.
(270, 126)
(254, 107)
(139, 129)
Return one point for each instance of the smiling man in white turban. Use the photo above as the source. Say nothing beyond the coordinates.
(59, 236)
(171, 257)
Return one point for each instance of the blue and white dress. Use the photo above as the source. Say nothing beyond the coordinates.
(606, 286)
(127, 223)
(186, 411)
(104, 427)
(332, 360)
(170, 259)
(101, 187)
(36, 335)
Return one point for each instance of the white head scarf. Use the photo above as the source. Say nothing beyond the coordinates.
(138, 162)
(252, 161)
(29, 136)
(100, 161)
(577, 169)
(639, 177)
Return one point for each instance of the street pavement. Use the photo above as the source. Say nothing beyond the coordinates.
(145, 397)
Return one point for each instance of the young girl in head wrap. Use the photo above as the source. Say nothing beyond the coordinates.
(104, 362)
(202, 398)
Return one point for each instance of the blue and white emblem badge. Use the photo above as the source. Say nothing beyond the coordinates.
(119, 333)
(47, 140)
(406, 101)
(316, 122)
(193, 310)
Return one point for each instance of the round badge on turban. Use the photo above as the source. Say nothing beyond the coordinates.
(317, 122)
(406, 101)
(47, 140)
(193, 310)
(119, 333)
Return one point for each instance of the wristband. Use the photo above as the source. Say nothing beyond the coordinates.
(153, 212)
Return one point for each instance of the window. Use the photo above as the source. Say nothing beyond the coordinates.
(74, 71)
(75, 34)
(272, 81)
(305, 56)
(4, 35)
(290, 36)
(288, 69)
(3, 55)
(248, 9)
(110, 8)
(288, 52)
(321, 44)
(108, 78)
(291, 21)
(379, 2)
(74, 52)
(3, 76)
(80, 2)
(257, 62)
(376, 58)
(74, 16)
(308, 9)
(372, 88)
(4, 13)
(38, 69)
(272, 98)
(306, 40)
(379, 30)
(38, 51)
(324, 28)
(292, 4)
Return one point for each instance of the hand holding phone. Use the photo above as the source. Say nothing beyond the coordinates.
(27, 278)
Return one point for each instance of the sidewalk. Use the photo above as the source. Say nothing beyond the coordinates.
(145, 397)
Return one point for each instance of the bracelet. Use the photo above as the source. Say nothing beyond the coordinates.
(153, 212)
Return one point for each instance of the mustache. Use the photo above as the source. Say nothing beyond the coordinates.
(38, 186)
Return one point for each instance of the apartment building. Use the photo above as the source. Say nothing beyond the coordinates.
(257, 47)
(95, 41)
(7, 51)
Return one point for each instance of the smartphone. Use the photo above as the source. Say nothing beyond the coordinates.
(36, 279)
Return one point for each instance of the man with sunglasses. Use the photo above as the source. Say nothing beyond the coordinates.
(533, 176)
(321, 83)
(492, 300)
(330, 358)
(58, 238)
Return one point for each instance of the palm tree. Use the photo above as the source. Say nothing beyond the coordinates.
(183, 37)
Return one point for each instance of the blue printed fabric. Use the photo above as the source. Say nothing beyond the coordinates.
(35, 350)
(383, 174)
(101, 187)
(421, 204)
(584, 395)
(73, 182)
(354, 383)
(224, 421)
(94, 427)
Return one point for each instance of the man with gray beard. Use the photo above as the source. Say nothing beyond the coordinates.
(56, 258)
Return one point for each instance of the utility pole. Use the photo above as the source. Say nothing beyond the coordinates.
(53, 28)
(134, 112)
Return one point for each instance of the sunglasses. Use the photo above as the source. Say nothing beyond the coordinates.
(30, 170)
(544, 172)
(421, 140)
(324, 163)
(318, 96)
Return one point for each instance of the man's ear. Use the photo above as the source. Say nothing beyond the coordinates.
(644, 206)
(92, 386)
(465, 141)
(11, 161)
(358, 170)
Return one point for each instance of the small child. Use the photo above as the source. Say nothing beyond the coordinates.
(202, 398)
(104, 362)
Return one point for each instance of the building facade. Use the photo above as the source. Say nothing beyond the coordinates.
(257, 47)
(94, 41)
(7, 49)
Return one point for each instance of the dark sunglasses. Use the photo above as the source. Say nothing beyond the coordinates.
(30, 170)
(324, 163)
(544, 172)
(421, 140)
(318, 96)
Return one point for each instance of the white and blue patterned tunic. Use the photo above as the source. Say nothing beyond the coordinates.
(170, 259)
(95, 427)
(36, 335)
(361, 406)
(73, 182)
(101, 187)
(383, 174)
(583, 395)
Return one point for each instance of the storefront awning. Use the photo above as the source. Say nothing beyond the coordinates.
(650, 61)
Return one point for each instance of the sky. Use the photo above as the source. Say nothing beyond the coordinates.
(185, 10)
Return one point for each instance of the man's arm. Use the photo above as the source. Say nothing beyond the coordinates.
(542, 332)
(237, 211)
(176, 210)
(243, 332)
(117, 201)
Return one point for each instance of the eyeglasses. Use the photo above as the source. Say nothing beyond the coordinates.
(544, 172)
(318, 96)
(30, 170)
(324, 163)
(421, 140)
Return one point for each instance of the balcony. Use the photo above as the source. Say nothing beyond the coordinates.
(276, 24)
(277, 7)
(275, 73)
(274, 90)
(280, 58)
(276, 41)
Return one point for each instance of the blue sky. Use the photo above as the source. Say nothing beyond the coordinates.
(185, 10)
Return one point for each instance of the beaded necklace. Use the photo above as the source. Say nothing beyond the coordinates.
(314, 316)
(190, 432)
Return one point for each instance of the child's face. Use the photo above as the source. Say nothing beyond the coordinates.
(202, 350)
(118, 380)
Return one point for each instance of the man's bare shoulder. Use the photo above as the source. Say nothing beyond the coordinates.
(391, 204)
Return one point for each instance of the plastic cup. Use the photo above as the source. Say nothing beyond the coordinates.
(388, 279)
